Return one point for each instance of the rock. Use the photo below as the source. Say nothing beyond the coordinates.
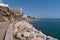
(26, 31)
(26, 34)
(51, 38)
(37, 38)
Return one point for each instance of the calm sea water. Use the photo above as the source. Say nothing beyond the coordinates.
(50, 27)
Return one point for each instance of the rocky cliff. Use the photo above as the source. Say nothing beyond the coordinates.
(12, 14)
(8, 14)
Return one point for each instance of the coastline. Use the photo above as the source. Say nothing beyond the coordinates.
(33, 20)
(28, 30)
(23, 21)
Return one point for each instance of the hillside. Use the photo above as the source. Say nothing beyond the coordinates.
(12, 14)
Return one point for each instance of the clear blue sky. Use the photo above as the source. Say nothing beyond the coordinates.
(37, 8)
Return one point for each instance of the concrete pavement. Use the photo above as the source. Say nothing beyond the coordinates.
(3, 28)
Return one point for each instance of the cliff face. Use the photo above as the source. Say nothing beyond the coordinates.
(12, 14)
(3, 13)
(25, 31)
(8, 14)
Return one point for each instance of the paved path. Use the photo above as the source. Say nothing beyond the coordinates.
(3, 28)
(9, 34)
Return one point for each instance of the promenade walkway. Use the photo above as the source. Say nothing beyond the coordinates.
(3, 29)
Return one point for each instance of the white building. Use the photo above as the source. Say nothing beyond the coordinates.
(25, 16)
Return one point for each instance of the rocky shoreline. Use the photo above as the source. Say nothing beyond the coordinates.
(23, 30)
(21, 27)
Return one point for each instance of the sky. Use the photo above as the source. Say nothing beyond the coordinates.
(37, 8)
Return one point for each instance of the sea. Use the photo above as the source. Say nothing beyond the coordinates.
(50, 27)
